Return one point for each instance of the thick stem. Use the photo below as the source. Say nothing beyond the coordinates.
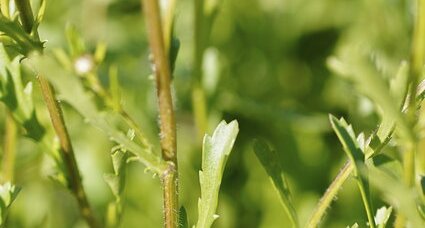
(67, 152)
(8, 163)
(166, 113)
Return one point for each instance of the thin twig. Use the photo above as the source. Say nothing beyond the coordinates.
(166, 113)
(330, 195)
(58, 122)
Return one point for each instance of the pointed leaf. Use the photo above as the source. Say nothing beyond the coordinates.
(215, 150)
(271, 162)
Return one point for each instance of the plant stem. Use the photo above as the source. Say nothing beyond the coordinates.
(67, 151)
(366, 202)
(166, 113)
(329, 195)
(417, 61)
(58, 122)
(198, 95)
(8, 163)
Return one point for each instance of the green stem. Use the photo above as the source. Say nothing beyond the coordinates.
(199, 104)
(166, 113)
(67, 151)
(58, 122)
(417, 61)
(8, 163)
(366, 201)
(330, 195)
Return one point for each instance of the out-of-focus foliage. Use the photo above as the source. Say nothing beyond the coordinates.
(266, 65)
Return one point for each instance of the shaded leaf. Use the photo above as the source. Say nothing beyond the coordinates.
(183, 223)
(271, 162)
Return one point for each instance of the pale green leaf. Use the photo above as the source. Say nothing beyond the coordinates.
(382, 215)
(215, 150)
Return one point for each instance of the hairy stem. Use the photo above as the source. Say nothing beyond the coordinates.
(67, 152)
(166, 113)
(329, 195)
(58, 122)
(8, 163)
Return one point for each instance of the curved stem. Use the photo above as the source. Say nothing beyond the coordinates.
(166, 113)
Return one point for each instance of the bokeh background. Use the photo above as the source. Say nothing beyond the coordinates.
(265, 65)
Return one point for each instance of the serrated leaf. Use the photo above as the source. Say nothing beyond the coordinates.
(183, 223)
(348, 140)
(353, 65)
(215, 150)
(271, 163)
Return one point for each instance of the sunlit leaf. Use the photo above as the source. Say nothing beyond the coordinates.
(215, 150)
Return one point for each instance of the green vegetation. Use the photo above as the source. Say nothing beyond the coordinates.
(208, 113)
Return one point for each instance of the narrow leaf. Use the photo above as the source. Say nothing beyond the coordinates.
(215, 150)
(271, 162)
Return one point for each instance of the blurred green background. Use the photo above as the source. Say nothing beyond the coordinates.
(265, 66)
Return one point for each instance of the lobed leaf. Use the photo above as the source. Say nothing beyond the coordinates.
(215, 150)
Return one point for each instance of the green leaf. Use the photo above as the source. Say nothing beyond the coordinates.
(174, 51)
(271, 162)
(75, 41)
(71, 90)
(405, 200)
(348, 140)
(25, 42)
(8, 194)
(382, 215)
(18, 98)
(183, 223)
(351, 147)
(354, 65)
(215, 150)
